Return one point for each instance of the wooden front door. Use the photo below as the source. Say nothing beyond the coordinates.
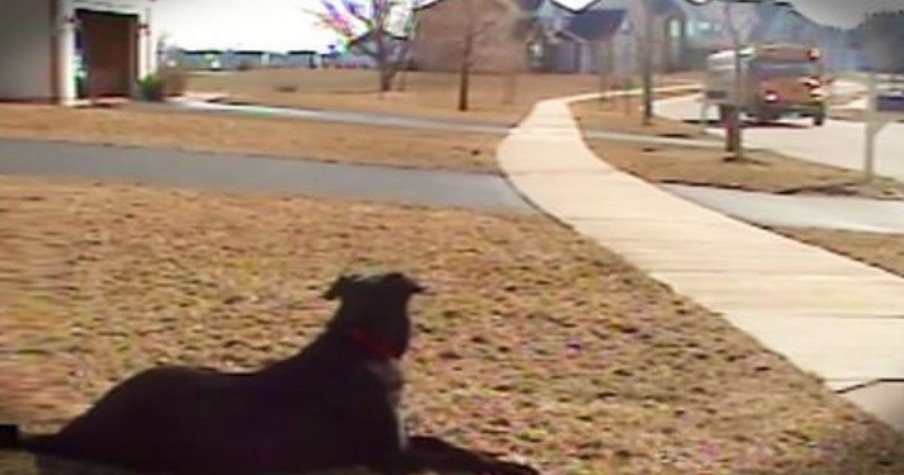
(109, 45)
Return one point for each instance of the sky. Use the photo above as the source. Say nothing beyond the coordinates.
(280, 25)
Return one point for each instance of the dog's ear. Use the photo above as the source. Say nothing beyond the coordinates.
(408, 284)
(339, 287)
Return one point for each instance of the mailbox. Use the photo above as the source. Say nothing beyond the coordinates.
(890, 101)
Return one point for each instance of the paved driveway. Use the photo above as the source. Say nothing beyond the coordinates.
(259, 174)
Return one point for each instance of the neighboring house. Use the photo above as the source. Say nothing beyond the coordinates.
(248, 59)
(592, 42)
(215, 60)
(302, 59)
(670, 26)
(443, 28)
(608, 35)
(61, 50)
(198, 60)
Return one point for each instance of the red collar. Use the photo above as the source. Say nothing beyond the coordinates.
(372, 345)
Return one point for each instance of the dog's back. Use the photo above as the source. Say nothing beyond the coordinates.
(333, 404)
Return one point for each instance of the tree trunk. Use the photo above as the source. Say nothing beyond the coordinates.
(464, 86)
(386, 75)
(733, 133)
(511, 88)
(647, 60)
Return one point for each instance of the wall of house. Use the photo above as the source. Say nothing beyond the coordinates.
(25, 50)
(440, 36)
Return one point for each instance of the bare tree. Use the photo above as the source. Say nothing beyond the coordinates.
(475, 27)
(881, 39)
(733, 124)
(524, 32)
(647, 51)
(367, 27)
(737, 31)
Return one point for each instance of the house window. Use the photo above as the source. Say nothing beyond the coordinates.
(675, 28)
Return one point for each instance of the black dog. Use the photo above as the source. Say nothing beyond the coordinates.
(335, 404)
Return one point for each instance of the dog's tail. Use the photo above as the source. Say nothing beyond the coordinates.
(10, 438)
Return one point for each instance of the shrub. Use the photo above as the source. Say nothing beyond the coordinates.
(168, 81)
(151, 88)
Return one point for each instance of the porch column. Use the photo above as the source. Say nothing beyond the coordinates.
(146, 45)
(65, 38)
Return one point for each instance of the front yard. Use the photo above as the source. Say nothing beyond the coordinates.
(539, 343)
(287, 138)
(763, 170)
(494, 99)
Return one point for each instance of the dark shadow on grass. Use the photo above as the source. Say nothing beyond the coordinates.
(22, 463)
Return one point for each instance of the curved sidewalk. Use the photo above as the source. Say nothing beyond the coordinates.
(829, 315)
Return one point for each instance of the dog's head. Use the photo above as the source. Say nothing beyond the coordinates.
(391, 286)
(376, 305)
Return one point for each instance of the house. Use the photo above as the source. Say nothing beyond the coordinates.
(61, 50)
(303, 59)
(443, 28)
(197, 60)
(611, 32)
(591, 42)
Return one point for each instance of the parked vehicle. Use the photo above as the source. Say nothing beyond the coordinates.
(777, 80)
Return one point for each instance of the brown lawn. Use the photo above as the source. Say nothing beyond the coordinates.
(253, 135)
(763, 170)
(433, 95)
(539, 343)
(885, 251)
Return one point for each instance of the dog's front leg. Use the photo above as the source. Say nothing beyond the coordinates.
(383, 441)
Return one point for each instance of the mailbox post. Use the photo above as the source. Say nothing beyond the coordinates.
(885, 104)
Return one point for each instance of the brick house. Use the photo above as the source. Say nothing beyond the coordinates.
(593, 41)
(443, 26)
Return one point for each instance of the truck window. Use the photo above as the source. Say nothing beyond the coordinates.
(773, 68)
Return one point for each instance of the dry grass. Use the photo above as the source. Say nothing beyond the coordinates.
(539, 343)
(433, 95)
(885, 251)
(763, 170)
(624, 115)
(253, 135)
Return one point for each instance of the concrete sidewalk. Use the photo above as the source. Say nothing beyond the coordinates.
(829, 315)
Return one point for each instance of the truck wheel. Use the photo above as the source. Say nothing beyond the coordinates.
(764, 118)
